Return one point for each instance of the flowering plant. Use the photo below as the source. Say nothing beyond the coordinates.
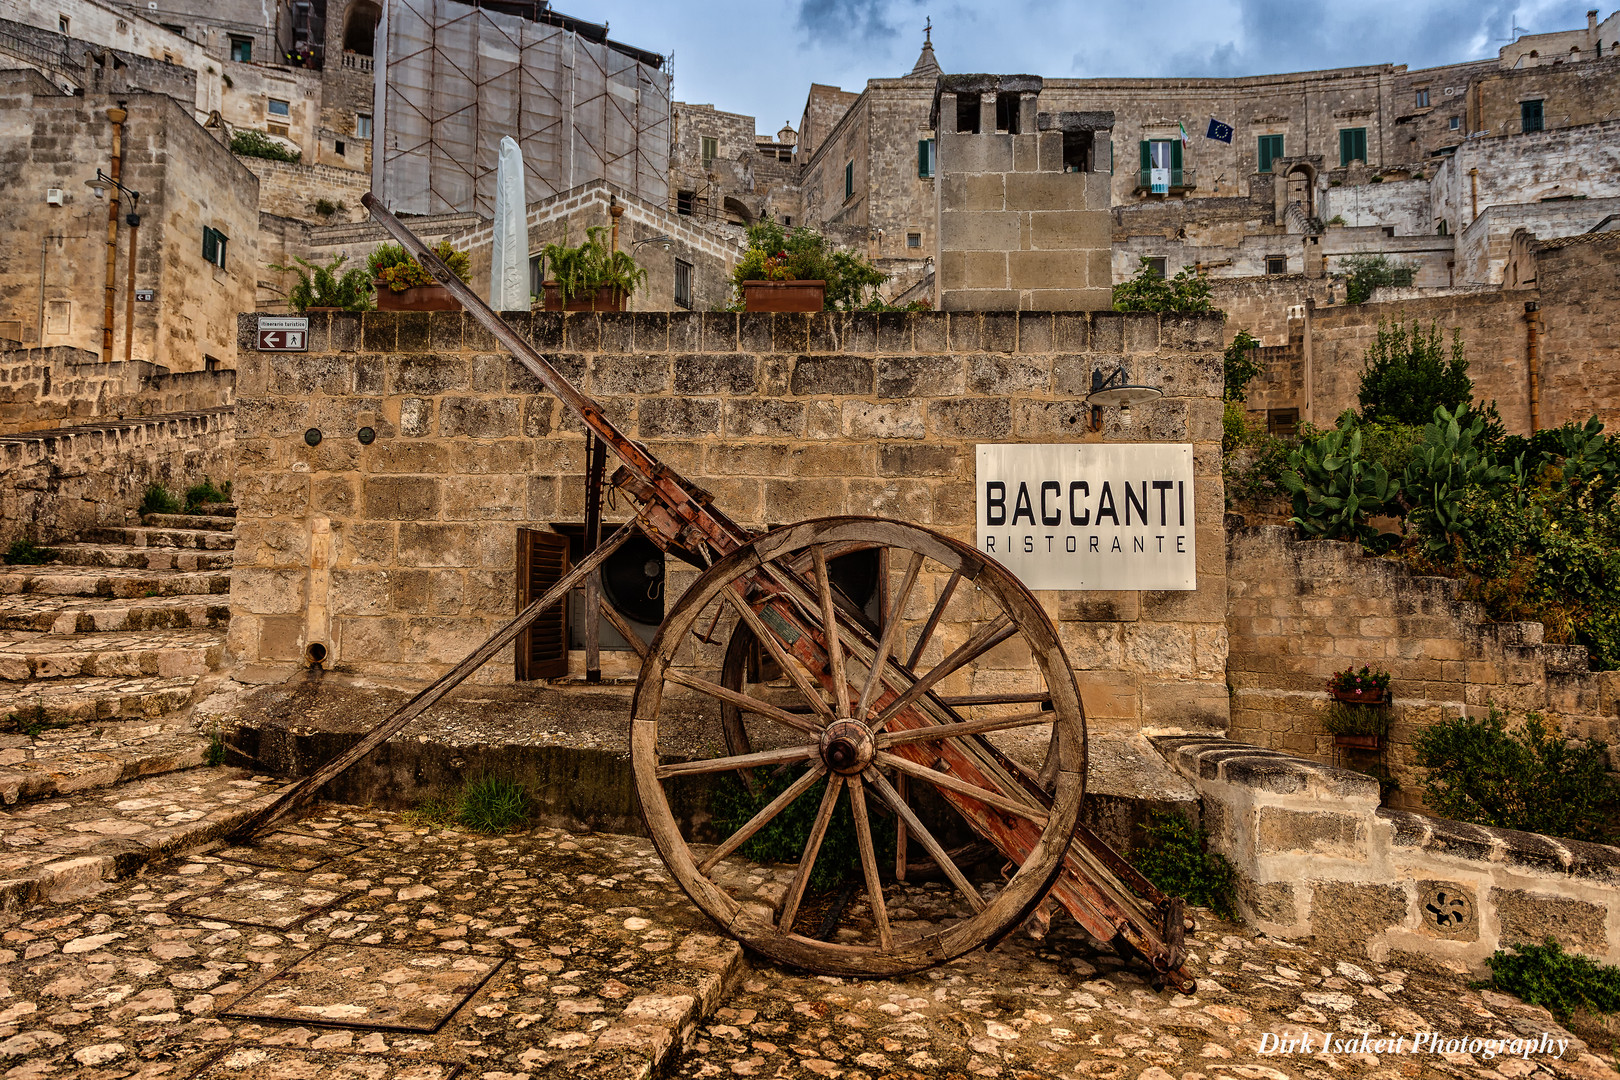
(1368, 684)
(393, 267)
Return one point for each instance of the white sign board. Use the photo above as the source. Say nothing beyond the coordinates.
(283, 333)
(1159, 179)
(1089, 515)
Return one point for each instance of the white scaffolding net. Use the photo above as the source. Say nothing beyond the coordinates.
(457, 78)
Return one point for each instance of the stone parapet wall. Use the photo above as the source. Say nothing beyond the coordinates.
(45, 388)
(1299, 610)
(1317, 857)
(401, 555)
(56, 482)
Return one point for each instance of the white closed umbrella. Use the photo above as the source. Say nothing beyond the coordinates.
(509, 256)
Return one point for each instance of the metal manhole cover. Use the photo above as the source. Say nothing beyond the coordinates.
(369, 986)
(274, 905)
(296, 851)
(290, 1063)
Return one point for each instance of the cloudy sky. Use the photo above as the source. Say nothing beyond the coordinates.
(759, 57)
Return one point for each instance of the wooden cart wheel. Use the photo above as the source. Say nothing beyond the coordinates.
(956, 627)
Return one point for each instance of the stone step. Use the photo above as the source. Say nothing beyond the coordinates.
(80, 758)
(126, 556)
(214, 509)
(144, 536)
(163, 653)
(54, 702)
(117, 584)
(65, 849)
(84, 615)
(189, 521)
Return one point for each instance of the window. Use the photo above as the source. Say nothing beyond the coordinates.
(787, 219)
(1077, 151)
(213, 250)
(711, 150)
(362, 125)
(1271, 148)
(1352, 145)
(1276, 264)
(339, 147)
(1282, 421)
(174, 28)
(683, 284)
(1157, 266)
(684, 201)
(277, 107)
(537, 275)
(967, 114)
(913, 239)
(1530, 117)
(1423, 98)
(63, 24)
(1160, 155)
(241, 49)
(925, 158)
(1007, 113)
(1456, 122)
(849, 180)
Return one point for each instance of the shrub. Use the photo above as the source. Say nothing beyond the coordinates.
(31, 721)
(1176, 858)
(1375, 684)
(1532, 778)
(1151, 291)
(1367, 272)
(1453, 459)
(785, 837)
(257, 144)
(582, 270)
(206, 492)
(1334, 489)
(27, 553)
(391, 266)
(1390, 445)
(1240, 366)
(1253, 461)
(157, 500)
(1563, 982)
(1406, 374)
(326, 207)
(322, 286)
(776, 254)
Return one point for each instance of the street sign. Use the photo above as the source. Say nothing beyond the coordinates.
(143, 296)
(283, 333)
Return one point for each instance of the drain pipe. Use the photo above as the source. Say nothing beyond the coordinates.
(117, 114)
(1532, 319)
(1473, 193)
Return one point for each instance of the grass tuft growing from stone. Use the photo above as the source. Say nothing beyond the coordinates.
(486, 804)
(1176, 858)
(157, 500)
(27, 553)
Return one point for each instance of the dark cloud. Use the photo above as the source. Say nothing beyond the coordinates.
(847, 21)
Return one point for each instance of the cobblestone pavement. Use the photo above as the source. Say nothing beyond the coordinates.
(358, 943)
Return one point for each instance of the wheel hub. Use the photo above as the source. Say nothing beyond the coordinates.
(847, 747)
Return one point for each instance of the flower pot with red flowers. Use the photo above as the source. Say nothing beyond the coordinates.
(590, 277)
(795, 271)
(402, 284)
(1363, 687)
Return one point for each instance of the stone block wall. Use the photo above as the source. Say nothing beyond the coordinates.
(1297, 611)
(400, 556)
(1317, 857)
(49, 388)
(290, 189)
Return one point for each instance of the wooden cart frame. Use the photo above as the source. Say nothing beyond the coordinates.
(856, 712)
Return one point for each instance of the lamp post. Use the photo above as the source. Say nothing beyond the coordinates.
(100, 185)
(116, 115)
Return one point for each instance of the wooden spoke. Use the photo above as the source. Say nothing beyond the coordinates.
(615, 620)
(961, 787)
(789, 666)
(966, 727)
(933, 619)
(869, 866)
(998, 630)
(807, 861)
(892, 628)
(738, 761)
(1030, 698)
(744, 702)
(935, 850)
(761, 819)
(900, 832)
(829, 624)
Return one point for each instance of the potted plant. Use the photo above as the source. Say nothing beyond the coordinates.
(589, 277)
(1364, 687)
(402, 284)
(782, 271)
(321, 288)
(1361, 727)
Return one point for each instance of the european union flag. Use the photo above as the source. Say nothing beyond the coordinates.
(1218, 131)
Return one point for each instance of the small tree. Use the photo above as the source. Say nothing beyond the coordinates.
(323, 286)
(1407, 375)
(1241, 365)
(1368, 272)
(1149, 290)
(250, 143)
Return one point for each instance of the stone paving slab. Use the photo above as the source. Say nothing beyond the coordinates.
(290, 849)
(581, 957)
(85, 614)
(90, 698)
(111, 584)
(83, 756)
(139, 558)
(25, 655)
(142, 536)
(217, 522)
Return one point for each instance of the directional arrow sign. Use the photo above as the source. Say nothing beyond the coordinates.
(283, 334)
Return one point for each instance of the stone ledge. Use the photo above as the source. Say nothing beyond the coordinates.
(1202, 757)
(1519, 850)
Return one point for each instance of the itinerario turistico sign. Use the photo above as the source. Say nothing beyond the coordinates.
(1089, 516)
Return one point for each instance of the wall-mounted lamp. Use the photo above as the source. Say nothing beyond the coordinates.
(100, 185)
(1117, 389)
(661, 241)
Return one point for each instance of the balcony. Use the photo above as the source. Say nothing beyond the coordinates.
(356, 62)
(1181, 181)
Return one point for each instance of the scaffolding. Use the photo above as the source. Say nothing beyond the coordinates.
(456, 77)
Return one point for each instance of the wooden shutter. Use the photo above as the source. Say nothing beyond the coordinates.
(1175, 163)
(542, 649)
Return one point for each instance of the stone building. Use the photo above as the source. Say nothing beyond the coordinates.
(196, 246)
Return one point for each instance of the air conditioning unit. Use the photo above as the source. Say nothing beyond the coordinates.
(55, 197)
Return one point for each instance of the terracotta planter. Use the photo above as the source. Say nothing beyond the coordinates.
(1353, 698)
(784, 295)
(417, 298)
(1358, 742)
(607, 298)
